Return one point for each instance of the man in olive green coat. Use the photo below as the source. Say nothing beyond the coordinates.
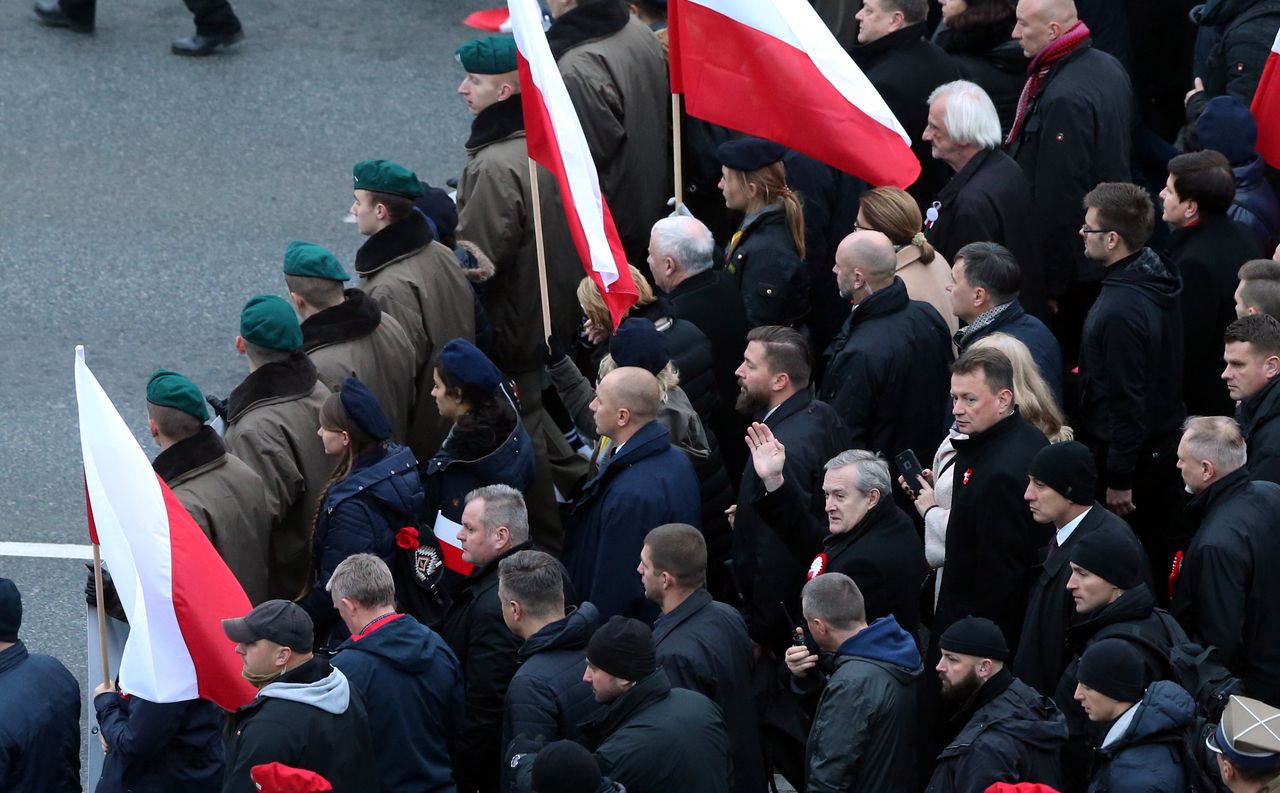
(345, 333)
(616, 74)
(223, 494)
(414, 278)
(273, 424)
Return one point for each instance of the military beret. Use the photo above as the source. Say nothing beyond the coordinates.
(490, 55)
(363, 408)
(385, 176)
(749, 154)
(313, 261)
(172, 390)
(638, 342)
(440, 210)
(465, 362)
(268, 321)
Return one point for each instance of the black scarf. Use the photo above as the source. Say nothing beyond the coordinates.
(294, 377)
(595, 20)
(354, 318)
(399, 239)
(497, 121)
(200, 449)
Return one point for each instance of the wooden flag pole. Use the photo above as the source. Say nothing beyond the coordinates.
(675, 148)
(102, 615)
(542, 253)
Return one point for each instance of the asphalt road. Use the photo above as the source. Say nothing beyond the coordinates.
(145, 197)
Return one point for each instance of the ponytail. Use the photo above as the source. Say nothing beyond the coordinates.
(926, 250)
(794, 209)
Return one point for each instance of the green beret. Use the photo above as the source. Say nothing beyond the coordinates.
(172, 390)
(268, 321)
(313, 261)
(492, 55)
(385, 176)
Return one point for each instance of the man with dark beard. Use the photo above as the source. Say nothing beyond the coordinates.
(1011, 733)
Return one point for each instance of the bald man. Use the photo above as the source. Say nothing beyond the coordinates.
(643, 483)
(1070, 133)
(888, 372)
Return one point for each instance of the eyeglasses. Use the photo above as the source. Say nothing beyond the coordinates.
(1086, 230)
(856, 227)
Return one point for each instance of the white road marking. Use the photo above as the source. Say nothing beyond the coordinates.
(46, 550)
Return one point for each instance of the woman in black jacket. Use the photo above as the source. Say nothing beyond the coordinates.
(977, 36)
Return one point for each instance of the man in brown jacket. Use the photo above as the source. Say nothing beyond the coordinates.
(614, 69)
(414, 278)
(223, 494)
(345, 333)
(273, 424)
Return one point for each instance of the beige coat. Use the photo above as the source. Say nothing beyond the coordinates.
(384, 360)
(928, 282)
(229, 503)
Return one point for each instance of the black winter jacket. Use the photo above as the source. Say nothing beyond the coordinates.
(703, 646)
(889, 372)
(1246, 31)
(690, 352)
(1255, 206)
(1258, 421)
(160, 747)
(39, 723)
(712, 302)
(1076, 134)
(992, 541)
(767, 571)
(547, 700)
(1013, 734)
(1131, 363)
(1146, 755)
(988, 56)
(1207, 257)
(1228, 586)
(773, 279)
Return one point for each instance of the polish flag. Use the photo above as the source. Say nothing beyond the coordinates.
(446, 534)
(174, 587)
(771, 68)
(555, 141)
(1266, 107)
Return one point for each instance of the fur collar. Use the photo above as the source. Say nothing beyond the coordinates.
(292, 378)
(354, 318)
(496, 122)
(594, 20)
(401, 238)
(190, 453)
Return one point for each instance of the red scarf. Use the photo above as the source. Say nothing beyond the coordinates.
(1040, 66)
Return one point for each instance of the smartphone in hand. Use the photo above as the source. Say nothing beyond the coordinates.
(910, 468)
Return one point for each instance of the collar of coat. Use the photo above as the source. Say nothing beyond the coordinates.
(791, 406)
(654, 688)
(962, 177)
(292, 378)
(594, 20)
(1221, 490)
(890, 300)
(188, 454)
(867, 55)
(355, 317)
(401, 238)
(997, 430)
(13, 656)
(996, 685)
(1259, 408)
(882, 512)
(496, 122)
(653, 438)
(696, 602)
(1133, 605)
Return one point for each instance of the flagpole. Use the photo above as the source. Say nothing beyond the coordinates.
(542, 254)
(675, 148)
(102, 615)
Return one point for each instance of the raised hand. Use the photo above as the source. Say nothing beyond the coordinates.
(768, 455)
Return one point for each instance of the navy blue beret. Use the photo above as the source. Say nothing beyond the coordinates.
(1227, 127)
(438, 208)
(363, 408)
(749, 154)
(637, 342)
(464, 361)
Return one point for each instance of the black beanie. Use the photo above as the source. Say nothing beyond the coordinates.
(1113, 668)
(623, 647)
(1068, 468)
(10, 611)
(1109, 554)
(565, 767)
(977, 636)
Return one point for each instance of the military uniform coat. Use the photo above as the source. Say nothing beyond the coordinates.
(419, 282)
(272, 420)
(228, 501)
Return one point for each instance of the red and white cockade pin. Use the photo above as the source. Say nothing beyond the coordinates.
(968, 472)
(818, 566)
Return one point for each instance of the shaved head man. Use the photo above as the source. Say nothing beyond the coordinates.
(626, 400)
(865, 263)
(1041, 22)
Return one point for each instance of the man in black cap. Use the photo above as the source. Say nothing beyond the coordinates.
(1142, 726)
(653, 738)
(39, 711)
(1247, 745)
(1010, 732)
(306, 713)
(1060, 492)
(566, 767)
(346, 334)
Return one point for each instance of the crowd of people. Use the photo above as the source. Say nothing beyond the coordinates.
(962, 487)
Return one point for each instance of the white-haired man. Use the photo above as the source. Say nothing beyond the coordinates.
(989, 198)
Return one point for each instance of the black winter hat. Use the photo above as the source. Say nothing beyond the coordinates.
(565, 767)
(1109, 554)
(363, 408)
(623, 647)
(749, 154)
(1068, 468)
(1112, 667)
(10, 610)
(638, 342)
(977, 636)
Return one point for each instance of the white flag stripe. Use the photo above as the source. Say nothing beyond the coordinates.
(796, 23)
(1275, 45)
(156, 664)
(580, 169)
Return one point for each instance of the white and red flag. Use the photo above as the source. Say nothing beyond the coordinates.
(771, 68)
(556, 141)
(1266, 107)
(174, 587)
